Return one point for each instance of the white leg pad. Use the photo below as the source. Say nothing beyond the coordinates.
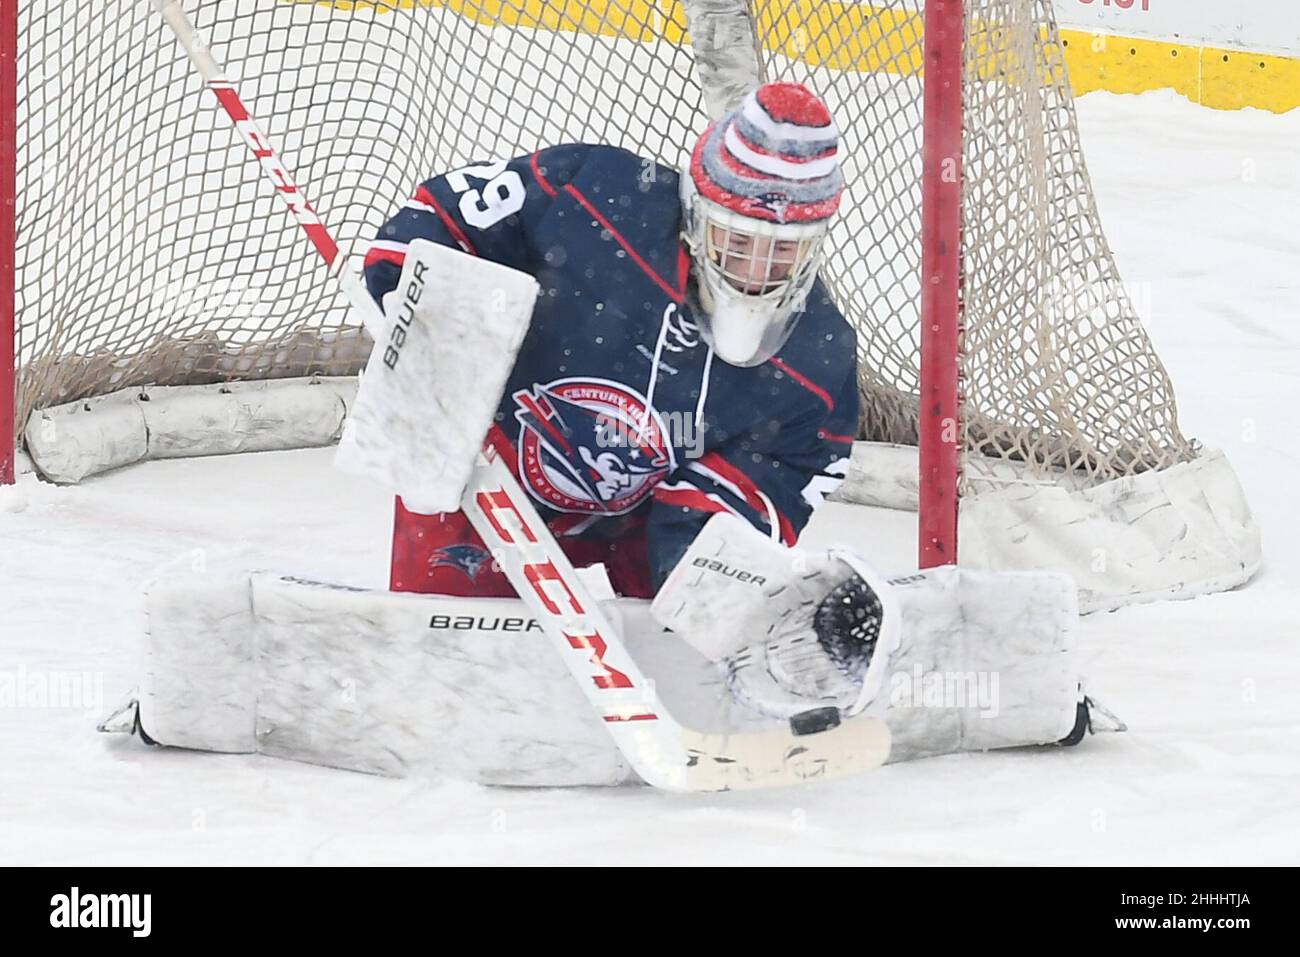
(380, 682)
(200, 689)
(404, 684)
(983, 662)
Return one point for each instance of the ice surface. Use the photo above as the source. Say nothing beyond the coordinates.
(1201, 208)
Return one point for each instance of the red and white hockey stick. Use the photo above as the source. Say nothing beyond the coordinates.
(663, 752)
(259, 144)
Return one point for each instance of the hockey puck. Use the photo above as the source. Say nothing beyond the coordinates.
(818, 719)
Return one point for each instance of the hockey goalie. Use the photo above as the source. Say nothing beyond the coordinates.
(610, 396)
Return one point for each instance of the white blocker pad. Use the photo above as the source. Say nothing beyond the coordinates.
(979, 660)
(453, 327)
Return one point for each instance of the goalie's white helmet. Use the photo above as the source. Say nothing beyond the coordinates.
(757, 200)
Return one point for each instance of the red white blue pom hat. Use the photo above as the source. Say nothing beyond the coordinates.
(765, 174)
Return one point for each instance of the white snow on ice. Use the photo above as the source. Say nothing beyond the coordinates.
(1202, 208)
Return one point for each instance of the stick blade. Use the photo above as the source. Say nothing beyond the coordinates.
(780, 758)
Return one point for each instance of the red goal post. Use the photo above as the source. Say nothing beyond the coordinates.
(940, 441)
(8, 191)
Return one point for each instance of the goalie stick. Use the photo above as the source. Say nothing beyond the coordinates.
(663, 752)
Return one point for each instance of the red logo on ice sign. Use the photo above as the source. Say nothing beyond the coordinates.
(588, 445)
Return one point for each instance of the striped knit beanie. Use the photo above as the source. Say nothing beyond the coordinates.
(774, 157)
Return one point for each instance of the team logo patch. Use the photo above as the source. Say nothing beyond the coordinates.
(775, 203)
(470, 559)
(587, 445)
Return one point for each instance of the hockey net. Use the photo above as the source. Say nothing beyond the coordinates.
(151, 251)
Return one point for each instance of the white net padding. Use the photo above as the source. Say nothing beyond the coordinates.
(152, 251)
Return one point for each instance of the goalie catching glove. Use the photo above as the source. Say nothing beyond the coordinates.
(793, 630)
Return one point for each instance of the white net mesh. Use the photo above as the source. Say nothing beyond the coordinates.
(150, 249)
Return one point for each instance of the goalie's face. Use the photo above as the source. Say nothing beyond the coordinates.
(755, 264)
(752, 276)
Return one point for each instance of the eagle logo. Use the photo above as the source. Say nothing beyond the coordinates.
(470, 559)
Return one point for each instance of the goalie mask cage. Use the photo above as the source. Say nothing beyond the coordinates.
(993, 328)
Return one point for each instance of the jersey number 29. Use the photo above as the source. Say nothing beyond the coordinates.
(501, 195)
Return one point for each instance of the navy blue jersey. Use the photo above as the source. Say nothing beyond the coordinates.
(618, 413)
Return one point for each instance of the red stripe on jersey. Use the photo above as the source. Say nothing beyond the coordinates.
(500, 442)
(832, 437)
(541, 180)
(750, 490)
(375, 256)
(804, 381)
(422, 195)
(673, 294)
